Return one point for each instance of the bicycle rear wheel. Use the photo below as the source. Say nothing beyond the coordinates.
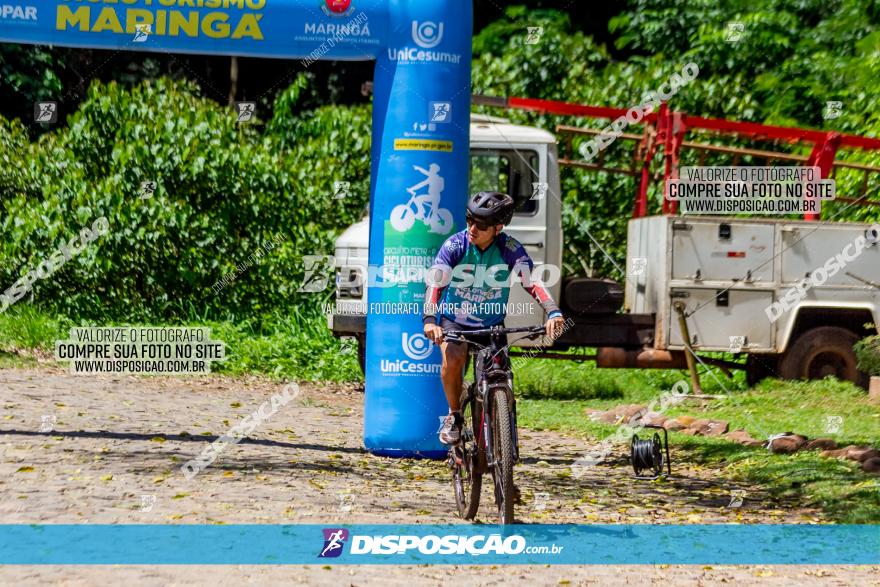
(467, 477)
(502, 447)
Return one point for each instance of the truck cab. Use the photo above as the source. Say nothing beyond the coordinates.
(715, 279)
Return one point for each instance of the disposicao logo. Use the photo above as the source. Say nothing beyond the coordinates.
(443, 545)
(478, 545)
(334, 541)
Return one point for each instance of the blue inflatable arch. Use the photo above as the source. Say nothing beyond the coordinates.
(421, 105)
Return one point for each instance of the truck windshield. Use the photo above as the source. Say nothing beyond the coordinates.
(506, 171)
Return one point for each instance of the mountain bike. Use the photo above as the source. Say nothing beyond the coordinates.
(488, 442)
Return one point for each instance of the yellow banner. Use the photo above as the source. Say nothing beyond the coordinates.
(422, 145)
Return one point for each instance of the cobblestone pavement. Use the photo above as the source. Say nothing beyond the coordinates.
(108, 450)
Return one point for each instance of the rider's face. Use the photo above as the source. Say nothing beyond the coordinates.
(482, 238)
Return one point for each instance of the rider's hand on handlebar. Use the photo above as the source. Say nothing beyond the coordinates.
(553, 328)
(434, 333)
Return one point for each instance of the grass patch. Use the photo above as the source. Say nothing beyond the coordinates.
(15, 361)
(290, 347)
(839, 488)
(564, 380)
(294, 346)
(26, 327)
(803, 407)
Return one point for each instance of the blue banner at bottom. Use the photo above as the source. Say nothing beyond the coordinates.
(88, 544)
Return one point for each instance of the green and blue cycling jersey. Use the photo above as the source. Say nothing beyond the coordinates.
(471, 286)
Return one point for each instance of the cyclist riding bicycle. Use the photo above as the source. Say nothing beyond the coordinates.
(475, 296)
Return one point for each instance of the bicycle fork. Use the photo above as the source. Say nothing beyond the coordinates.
(515, 436)
(512, 402)
(485, 436)
(487, 429)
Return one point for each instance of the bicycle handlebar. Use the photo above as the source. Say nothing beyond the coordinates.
(492, 330)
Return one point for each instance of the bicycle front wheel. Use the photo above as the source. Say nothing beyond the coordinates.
(467, 477)
(502, 448)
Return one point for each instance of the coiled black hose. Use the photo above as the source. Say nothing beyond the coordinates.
(647, 454)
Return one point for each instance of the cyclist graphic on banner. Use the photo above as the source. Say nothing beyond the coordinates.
(424, 207)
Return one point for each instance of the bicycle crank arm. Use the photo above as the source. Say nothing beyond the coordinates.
(456, 459)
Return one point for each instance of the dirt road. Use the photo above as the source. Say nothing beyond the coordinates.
(108, 450)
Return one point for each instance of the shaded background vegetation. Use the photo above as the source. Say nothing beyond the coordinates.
(224, 189)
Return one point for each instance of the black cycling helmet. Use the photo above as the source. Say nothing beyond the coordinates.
(491, 207)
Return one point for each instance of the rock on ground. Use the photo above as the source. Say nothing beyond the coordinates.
(787, 444)
(821, 444)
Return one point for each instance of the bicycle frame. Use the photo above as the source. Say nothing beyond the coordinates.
(492, 372)
(492, 375)
(475, 453)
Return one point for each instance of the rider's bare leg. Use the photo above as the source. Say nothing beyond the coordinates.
(452, 372)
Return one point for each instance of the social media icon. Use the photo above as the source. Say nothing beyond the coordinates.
(833, 109)
(46, 112)
(735, 31)
(340, 189)
(534, 35)
(539, 190)
(318, 269)
(147, 503)
(245, 110)
(441, 112)
(737, 343)
(638, 265)
(736, 498)
(142, 33)
(47, 422)
(148, 188)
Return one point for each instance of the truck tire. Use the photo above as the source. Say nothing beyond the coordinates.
(760, 367)
(823, 351)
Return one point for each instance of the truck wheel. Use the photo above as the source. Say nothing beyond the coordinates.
(760, 367)
(820, 352)
(362, 352)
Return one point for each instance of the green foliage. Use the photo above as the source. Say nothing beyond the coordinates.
(563, 380)
(794, 57)
(29, 73)
(225, 192)
(495, 37)
(293, 346)
(328, 144)
(776, 406)
(868, 354)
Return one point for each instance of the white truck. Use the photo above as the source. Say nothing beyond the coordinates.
(792, 296)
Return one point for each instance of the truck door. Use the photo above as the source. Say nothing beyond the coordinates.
(520, 172)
